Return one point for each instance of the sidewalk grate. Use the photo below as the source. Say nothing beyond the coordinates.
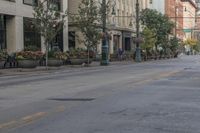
(71, 99)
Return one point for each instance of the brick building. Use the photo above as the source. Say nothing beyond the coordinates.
(175, 10)
(181, 12)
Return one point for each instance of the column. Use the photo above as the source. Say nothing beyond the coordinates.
(15, 39)
(65, 29)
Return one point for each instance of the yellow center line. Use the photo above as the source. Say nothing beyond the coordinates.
(60, 109)
(156, 77)
(30, 119)
(34, 116)
(8, 124)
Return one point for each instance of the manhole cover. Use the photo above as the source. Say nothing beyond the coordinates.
(72, 99)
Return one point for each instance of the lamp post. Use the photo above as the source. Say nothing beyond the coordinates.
(105, 38)
(138, 50)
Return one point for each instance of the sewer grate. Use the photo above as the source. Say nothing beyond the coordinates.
(71, 99)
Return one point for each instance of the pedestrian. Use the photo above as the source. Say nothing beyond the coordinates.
(120, 53)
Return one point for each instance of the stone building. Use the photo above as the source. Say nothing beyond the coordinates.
(17, 30)
(120, 25)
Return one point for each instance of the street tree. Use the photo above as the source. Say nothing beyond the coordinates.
(157, 22)
(174, 45)
(49, 21)
(193, 44)
(149, 40)
(87, 21)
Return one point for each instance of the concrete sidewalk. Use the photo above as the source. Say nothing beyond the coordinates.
(42, 69)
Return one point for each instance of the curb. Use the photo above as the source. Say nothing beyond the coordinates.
(42, 69)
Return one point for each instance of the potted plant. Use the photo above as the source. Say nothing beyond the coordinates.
(3, 57)
(56, 58)
(28, 59)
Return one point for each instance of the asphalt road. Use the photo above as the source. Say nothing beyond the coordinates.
(151, 97)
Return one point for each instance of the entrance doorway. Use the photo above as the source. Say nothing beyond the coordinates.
(116, 42)
(127, 44)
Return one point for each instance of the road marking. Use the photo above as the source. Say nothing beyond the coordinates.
(143, 81)
(37, 116)
(156, 77)
(60, 109)
(30, 119)
(34, 116)
(8, 124)
(168, 74)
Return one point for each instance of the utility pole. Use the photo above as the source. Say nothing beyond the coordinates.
(138, 39)
(105, 39)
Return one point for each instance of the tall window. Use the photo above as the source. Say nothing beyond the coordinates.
(72, 42)
(32, 39)
(2, 32)
(56, 4)
(57, 42)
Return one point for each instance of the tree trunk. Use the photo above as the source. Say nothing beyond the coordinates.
(88, 56)
(47, 50)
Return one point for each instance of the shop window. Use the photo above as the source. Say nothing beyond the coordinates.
(127, 44)
(2, 32)
(32, 38)
(11, 0)
(30, 2)
(57, 43)
(56, 4)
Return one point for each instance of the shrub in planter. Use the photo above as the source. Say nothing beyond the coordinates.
(31, 48)
(56, 58)
(80, 56)
(3, 58)
(28, 59)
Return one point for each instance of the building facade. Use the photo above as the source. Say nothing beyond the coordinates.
(17, 30)
(158, 5)
(123, 24)
(197, 26)
(189, 18)
(181, 12)
(120, 25)
(174, 10)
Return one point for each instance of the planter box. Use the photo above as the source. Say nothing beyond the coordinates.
(75, 61)
(90, 61)
(55, 62)
(2, 62)
(27, 63)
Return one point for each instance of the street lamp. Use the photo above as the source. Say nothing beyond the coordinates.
(105, 38)
(138, 50)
